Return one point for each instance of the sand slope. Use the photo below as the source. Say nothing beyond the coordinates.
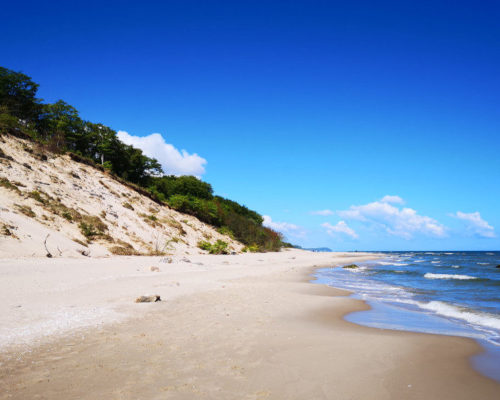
(46, 197)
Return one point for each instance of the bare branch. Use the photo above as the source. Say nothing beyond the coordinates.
(49, 255)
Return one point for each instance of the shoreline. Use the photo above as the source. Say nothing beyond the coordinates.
(484, 361)
(248, 329)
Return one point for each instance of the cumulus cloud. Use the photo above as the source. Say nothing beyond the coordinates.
(392, 199)
(341, 227)
(475, 224)
(323, 212)
(404, 222)
(283, 227)
(173, 161)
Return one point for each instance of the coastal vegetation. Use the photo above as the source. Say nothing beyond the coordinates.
(219, 247)
(57, 128)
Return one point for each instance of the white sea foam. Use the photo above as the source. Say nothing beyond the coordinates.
(399, 264)
(482, 319)
(435, 262)
(480, 263)
(455, 266)
(357, 270)
(384, 263)
(429, 275)
(419, 261)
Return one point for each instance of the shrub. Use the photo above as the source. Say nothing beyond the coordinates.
(176, 225)
(92, 227)
(204, 245)
(224, 230)
(4, 182)
(123, 251)
(253, 248)
(67, 215)
(38, 196)
(25, 210)
(219, 247)
(5, 230)
(128, 205)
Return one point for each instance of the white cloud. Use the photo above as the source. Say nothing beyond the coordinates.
(173, 161)
(323, 212)
(283, 227)
(392, 200)
(475, 224)
(404, 222)
(340, 227)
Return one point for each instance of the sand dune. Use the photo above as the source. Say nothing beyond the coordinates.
(52, 196)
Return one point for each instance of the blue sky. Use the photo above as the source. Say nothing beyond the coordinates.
(295, 107)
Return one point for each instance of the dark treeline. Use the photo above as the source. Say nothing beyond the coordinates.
(59, 128)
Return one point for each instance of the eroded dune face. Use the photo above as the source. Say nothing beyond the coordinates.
(53, 205)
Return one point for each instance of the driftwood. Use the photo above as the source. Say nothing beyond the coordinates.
(49, 255)
(148, 299)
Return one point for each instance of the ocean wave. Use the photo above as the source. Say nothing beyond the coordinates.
(447, 310)
(418, 261)
(482, 263)
(455, 266)
(430, 275)
(399, 264)
(435, 262)
(384, 263)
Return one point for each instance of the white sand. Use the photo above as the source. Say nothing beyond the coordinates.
(237, 327)
(42, 297)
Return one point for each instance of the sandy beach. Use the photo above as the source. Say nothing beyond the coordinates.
(247, 326)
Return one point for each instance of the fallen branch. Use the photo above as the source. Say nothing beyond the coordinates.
(49, 255)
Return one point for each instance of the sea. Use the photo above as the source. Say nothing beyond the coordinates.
(441, 292)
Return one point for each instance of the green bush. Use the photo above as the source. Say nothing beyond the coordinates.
(4, 182)
(253, 248)
(37, 196)
(128, 205)
(204, 245)
(67, 215)
(219, 247)
(224, 230)
(92, 227)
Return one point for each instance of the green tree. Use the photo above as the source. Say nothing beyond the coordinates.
(17, 94)
(62, 121)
